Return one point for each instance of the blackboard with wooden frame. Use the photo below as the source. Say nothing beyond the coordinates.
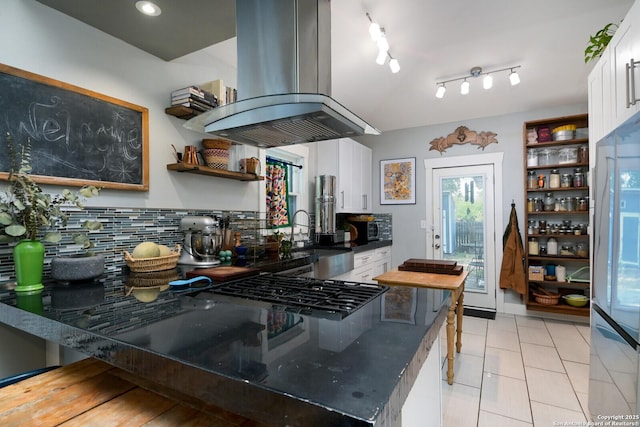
(77, 136)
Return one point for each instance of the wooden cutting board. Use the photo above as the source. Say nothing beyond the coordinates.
(223, 273)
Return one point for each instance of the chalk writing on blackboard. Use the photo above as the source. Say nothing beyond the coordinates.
(77, 136)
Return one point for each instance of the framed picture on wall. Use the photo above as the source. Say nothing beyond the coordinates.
(398, 181)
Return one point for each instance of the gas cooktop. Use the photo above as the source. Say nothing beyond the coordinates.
(320, 298)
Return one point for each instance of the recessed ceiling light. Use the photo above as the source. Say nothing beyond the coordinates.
(148, 8)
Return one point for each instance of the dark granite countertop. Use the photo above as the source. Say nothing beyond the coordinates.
(250, 358)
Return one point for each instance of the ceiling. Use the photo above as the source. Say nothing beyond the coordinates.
(432, 39)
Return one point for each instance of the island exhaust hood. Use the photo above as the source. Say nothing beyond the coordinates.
(284, 79)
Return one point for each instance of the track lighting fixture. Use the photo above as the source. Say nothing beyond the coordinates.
(487, 81)
(379, 37)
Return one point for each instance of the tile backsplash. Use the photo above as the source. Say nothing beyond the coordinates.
(124, 228)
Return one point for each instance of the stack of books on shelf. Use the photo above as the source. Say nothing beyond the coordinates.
(195, 98)
(224, 94)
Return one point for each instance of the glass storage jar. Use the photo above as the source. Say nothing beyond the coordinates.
(554, 179)
(532, 181)
(549, 202)
(533, 246)
(583, 154)
(537, 204)
(571, 204)
(566, 180)
(582, 250)
(563, 205)
(552, 246)
(530, 205)
(567, 250)
(542, 181)
(532, 158)
(578, 177)
(568, 155)
(547, 156)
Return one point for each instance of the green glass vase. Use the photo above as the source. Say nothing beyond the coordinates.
(28, 261)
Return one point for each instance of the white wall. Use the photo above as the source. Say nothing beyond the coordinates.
(41, 40)
(409, 240)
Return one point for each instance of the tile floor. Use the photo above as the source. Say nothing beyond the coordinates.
(518, 371)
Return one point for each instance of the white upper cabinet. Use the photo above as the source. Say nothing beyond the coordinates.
(614, 82)
(350, 162)
(624, 54)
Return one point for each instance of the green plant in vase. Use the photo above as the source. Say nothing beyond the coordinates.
(31, 216)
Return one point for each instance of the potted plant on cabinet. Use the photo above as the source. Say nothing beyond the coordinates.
(26, 211)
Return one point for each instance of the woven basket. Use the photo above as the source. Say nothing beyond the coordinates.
(141, 265)
(543, 299)
(222, 144)
(217, 158)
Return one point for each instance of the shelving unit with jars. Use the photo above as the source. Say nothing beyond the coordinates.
(557, 213)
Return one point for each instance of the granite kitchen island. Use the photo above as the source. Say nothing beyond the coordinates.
(255, 359)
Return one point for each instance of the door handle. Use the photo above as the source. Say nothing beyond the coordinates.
(342, 194)
(631, 82)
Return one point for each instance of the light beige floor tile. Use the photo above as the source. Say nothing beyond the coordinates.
(531, 335)
(541, 356)
(583, 398)
(562, 331)
(471, 344)
(548, 415)
(585, 331)
(474, 325)
(578, 375)
(459, 405)
(530, 322)
(502, 339)
(467, 370)
(574, 351)
(505, 396)
(552, 388)
(487, 419)
(504, 362)
(503, 323)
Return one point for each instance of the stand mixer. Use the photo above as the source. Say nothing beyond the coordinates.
(202, 241)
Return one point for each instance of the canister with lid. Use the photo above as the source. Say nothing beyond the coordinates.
(582, 250)
(537, 204)
(532, 157)
(568, 155)
(578, 177)
(532, 181)
(552, 246)
(549, 202)
(554, 178)
(547, 157)
(563, 205)
(567, 250)
(583, 154)
(566, 180)
(533, 246)
(582, 204)
(571, 204)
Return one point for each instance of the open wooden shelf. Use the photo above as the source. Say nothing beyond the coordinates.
(220, 173)
(559, 308)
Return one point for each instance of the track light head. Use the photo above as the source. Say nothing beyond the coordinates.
(514, 78)
(464, 87)
(440, 91)
(487, 82)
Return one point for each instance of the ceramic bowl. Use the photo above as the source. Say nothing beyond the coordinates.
(576, 300)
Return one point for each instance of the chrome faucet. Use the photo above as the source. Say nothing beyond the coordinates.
(293, 224)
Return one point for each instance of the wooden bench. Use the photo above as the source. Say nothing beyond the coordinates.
(93, 393)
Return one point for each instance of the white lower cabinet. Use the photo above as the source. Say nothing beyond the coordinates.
(423, 406)
(367, 265)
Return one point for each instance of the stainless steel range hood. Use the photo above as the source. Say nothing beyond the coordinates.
(284, 79)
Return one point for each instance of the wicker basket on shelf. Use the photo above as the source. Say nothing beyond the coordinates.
(216, 153)
(546, 299)
(141, 265)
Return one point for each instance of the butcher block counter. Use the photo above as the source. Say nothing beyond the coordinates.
(247, 358)
(448, 282)
(93, 393)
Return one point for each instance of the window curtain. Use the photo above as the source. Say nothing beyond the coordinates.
(277, 194)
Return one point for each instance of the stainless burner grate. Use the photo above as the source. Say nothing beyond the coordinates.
(304, 295)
